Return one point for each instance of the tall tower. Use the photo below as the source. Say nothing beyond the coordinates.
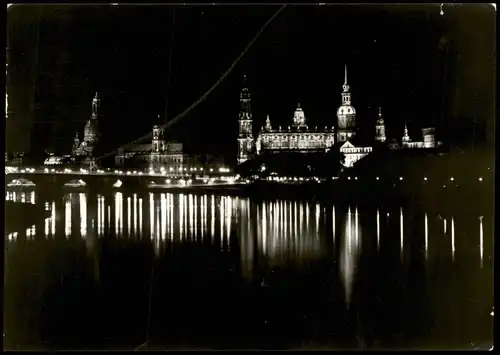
(157, 142)
(245, 137)
(96, 102)
(406, 137)
(346, 114)
(91, 130)
(380, 128)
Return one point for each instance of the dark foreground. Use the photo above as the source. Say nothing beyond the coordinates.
(196, 271)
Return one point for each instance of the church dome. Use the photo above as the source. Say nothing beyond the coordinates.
(346, 110)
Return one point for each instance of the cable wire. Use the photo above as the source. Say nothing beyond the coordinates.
(203, 97)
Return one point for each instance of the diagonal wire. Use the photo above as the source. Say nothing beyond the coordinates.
(170, 64)
(204, 96)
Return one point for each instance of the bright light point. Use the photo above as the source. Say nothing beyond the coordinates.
(377, 177)
(452, 178)
(425, 178)
(118, 183)
(400, 178)
(480, 179)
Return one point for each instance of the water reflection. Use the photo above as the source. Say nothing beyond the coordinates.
(67, 217)
(277, 230)
(20, 196)
(350, 252)
(83, 214)
(426, 236)
(481, 236)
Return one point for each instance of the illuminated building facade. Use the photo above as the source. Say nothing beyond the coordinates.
(156, 155)
(297, 138)
(428, 139)
(300, 138)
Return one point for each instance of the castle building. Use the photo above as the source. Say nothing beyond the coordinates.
(86, 147)
(300, 138)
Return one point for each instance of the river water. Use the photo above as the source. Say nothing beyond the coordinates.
(182, 271)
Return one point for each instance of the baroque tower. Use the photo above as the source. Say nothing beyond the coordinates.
(245, 137)
(157, 142)
(346, 114)
(380, 128)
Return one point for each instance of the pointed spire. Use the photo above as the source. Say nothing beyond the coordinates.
(406, 137)
(345, 87)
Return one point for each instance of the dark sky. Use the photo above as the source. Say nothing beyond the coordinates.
(60, 55)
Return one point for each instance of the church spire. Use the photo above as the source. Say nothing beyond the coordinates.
(345, 87)
(406, 137)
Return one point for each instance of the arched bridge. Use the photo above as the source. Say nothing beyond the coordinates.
(50, 181)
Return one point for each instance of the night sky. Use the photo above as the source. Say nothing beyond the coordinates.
(397, 58)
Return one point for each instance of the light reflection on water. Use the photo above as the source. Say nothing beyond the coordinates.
(274, 232)
(282, 228)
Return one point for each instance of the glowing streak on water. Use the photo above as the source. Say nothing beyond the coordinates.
(190, 214)
(453, 238)
(135, 214)
(264, 227)
(401, 228)
(426, 237)
(378, 228)
(140, 216)
(32, 197)
(212, 217)
(157, 223)
(444, 226)
(67, 217)
(228, 220)
(163, 209)
(196, 216)
(181, 216)
(109, 217)
(481, 239)
(151, 216)
(120, 202)
(99, 221)
(357, 227)
(129, 217)
(53, 219)
(171, 210)
(83, 215)
(23, 197)
(221, 220)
